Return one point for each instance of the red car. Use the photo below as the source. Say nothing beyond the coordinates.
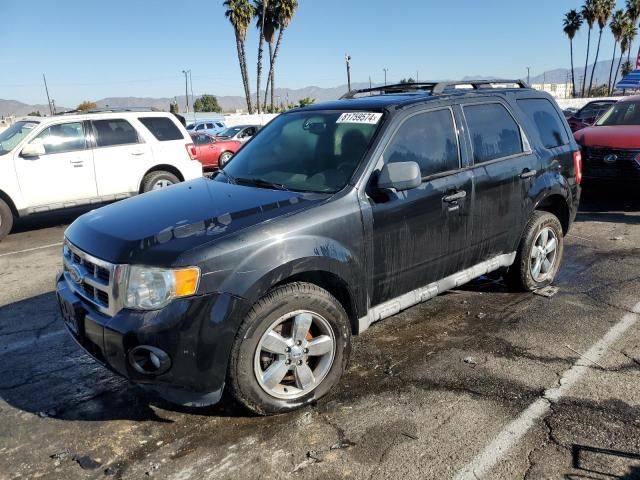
(611, 147)
(587, 115)
(213, 153)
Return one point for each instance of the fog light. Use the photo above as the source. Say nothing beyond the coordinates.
(149, 360)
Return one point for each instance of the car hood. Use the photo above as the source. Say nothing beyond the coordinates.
(615, 136)
(157, 227)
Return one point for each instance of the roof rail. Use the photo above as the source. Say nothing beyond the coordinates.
(434, 88)
(110, 110)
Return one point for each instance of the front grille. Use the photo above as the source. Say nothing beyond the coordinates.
(624, 166)
(90, 277)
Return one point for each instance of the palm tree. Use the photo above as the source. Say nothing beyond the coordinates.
(603, 12)
(259, 9)
(285, 10)
(617, 27)
(270, 22)
(588, 13)
(633, 12)
(571, 24)
(240, 14)
(629, 32)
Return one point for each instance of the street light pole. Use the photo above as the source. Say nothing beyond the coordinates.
(186, 88)
(385, 75)
(192, 101)
(528, 76)
(347, 59)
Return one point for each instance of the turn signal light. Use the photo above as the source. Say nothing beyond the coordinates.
(577, 166)
(191, 149)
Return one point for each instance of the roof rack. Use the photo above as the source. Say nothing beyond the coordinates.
(434, 88)
(110, 110)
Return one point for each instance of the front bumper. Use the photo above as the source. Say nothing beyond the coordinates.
(195, 333)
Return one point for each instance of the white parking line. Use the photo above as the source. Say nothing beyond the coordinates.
(12, 347)
(514, 431)
(31, 249)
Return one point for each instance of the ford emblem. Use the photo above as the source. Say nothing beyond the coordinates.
(610, 158)
(76, 274)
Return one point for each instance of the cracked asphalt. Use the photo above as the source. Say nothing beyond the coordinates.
(425, 393)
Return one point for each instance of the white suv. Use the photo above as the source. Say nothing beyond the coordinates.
(68, 160)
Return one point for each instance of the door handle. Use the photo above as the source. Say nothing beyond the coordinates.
(137, 153)
(526, 173)
(454, 197)
(76, 162)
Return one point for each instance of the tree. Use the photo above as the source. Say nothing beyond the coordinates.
(617, 26)
(603, 12)
(207, 103)
(173, 107)
(571, 24)
(626, 69)
(306, 101)
(589, 15)
(407, 80)
(633, 12)
(600, 90)
(270, 22)
(240, 13)
(285, 10)
(35, 114)
(629, 32)
(261, 15)
(87, 105)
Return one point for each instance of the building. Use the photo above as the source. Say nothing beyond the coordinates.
(557, 90)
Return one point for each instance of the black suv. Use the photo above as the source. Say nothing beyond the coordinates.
(331, 218)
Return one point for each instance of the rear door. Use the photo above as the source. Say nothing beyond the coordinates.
(207, 153)
(421, 235)
(504, 168)
(121, 156)
(64, 176)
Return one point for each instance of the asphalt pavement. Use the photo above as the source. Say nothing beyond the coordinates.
(476, 383)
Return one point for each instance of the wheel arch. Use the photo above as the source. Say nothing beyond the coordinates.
(161, 168)
(7, 199)
(557, 205)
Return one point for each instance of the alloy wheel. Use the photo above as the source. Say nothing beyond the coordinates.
(543, 254)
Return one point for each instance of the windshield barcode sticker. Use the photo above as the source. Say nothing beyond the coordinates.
(370, 118)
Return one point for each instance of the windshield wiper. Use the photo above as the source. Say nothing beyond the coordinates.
(231, 178)
(258, 182)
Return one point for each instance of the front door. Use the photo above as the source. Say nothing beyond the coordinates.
(64, 176)
(421, 235)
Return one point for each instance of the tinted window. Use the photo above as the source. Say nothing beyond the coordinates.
(114, 132)
(162, 128)
(66, 137)
(547, 120)
(494, 132)
(428, 139)
(622, 113)
(201, 139)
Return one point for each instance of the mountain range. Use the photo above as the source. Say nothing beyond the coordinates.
(233, 103)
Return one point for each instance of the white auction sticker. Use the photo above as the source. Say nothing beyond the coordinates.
(369, 118)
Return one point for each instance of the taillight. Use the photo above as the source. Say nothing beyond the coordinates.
(191, 149)
(577, 166)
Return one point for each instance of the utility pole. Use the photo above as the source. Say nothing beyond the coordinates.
(347, 59)
(417, 76)
(192, 102)
(385, 75)
(528, 76)
(53, 106)
(186, 88)
(46, 89)
(369, 81)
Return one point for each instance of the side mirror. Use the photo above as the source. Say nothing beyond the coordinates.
(34, 149)
(400, 176)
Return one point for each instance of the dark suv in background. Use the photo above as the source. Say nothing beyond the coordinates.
(331, 218)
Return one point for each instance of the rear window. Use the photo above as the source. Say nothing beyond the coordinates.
(114, 132)
(494, 132)
(541, 112)
(162, 128)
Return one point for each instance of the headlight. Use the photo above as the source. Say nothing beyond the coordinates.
(153, 288)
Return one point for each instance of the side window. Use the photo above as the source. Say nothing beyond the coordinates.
(200, 126)
(65, 137)
(114, 132)
(494, 132)
(162, 128)
(430, 140)
(541, 112)
(209, 126)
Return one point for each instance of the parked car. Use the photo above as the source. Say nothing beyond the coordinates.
(241, 133)
(52, 163)
(569, 112)
(587, 115)
(611, 148)
(212, 153)
(212, 127)
(333, 217)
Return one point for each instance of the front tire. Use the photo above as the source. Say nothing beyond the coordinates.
(6, 219)
(158, 180)
(224, 159)
(290, 351)
(539, 253)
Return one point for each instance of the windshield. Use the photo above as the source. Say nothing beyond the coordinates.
(229, 132)
(13, 135)
(310, 151)
(622, 113)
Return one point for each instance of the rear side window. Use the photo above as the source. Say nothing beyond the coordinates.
(162, 128)
(494, 132)
(541, 112)
(429, 139)
(114, 132)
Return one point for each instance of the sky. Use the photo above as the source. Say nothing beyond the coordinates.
(94, 49)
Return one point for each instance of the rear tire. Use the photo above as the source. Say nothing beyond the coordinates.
(158, 180)
(224, 159)
(6, 219)
(539, 253)
(303, 332)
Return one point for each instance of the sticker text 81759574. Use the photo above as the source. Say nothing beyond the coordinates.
(370, 118)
